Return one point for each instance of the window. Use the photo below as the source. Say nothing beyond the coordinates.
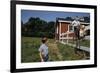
(70, 28)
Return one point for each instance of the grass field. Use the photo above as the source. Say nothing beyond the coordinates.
(84, 42)
(57, 51)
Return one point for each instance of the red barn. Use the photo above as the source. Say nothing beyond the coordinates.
(64, 30)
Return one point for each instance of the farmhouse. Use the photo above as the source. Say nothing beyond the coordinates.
(65, 31)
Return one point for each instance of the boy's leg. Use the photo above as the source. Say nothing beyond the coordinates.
(46, 58)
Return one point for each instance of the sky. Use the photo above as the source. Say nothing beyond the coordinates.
(48, 15)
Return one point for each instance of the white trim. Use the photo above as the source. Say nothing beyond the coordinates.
(67, 34)
(72, 21)
(68, 28)
(64, 21)
(57, 30)
(60, 30)
(66, 38)
(84, 23)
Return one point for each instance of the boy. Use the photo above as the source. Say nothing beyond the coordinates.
(43, 50)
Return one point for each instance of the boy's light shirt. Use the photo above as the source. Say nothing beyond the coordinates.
(44, 49)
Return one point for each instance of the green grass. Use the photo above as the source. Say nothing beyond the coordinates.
(57, 51)
(29, 52)
(68, 52)
(85, 43)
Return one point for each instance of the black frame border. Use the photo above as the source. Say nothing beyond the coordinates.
(13, 36)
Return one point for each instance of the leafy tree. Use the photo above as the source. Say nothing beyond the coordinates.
(37, 27)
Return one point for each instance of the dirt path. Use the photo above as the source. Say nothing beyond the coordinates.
(54, 51)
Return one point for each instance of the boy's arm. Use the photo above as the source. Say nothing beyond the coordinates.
(41, 56)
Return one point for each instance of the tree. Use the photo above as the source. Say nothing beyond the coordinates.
(37, 27)
(87, 19)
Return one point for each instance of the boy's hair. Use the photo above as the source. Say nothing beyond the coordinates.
(44, 39)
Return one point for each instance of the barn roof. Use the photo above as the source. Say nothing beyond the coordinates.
(69, 21)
